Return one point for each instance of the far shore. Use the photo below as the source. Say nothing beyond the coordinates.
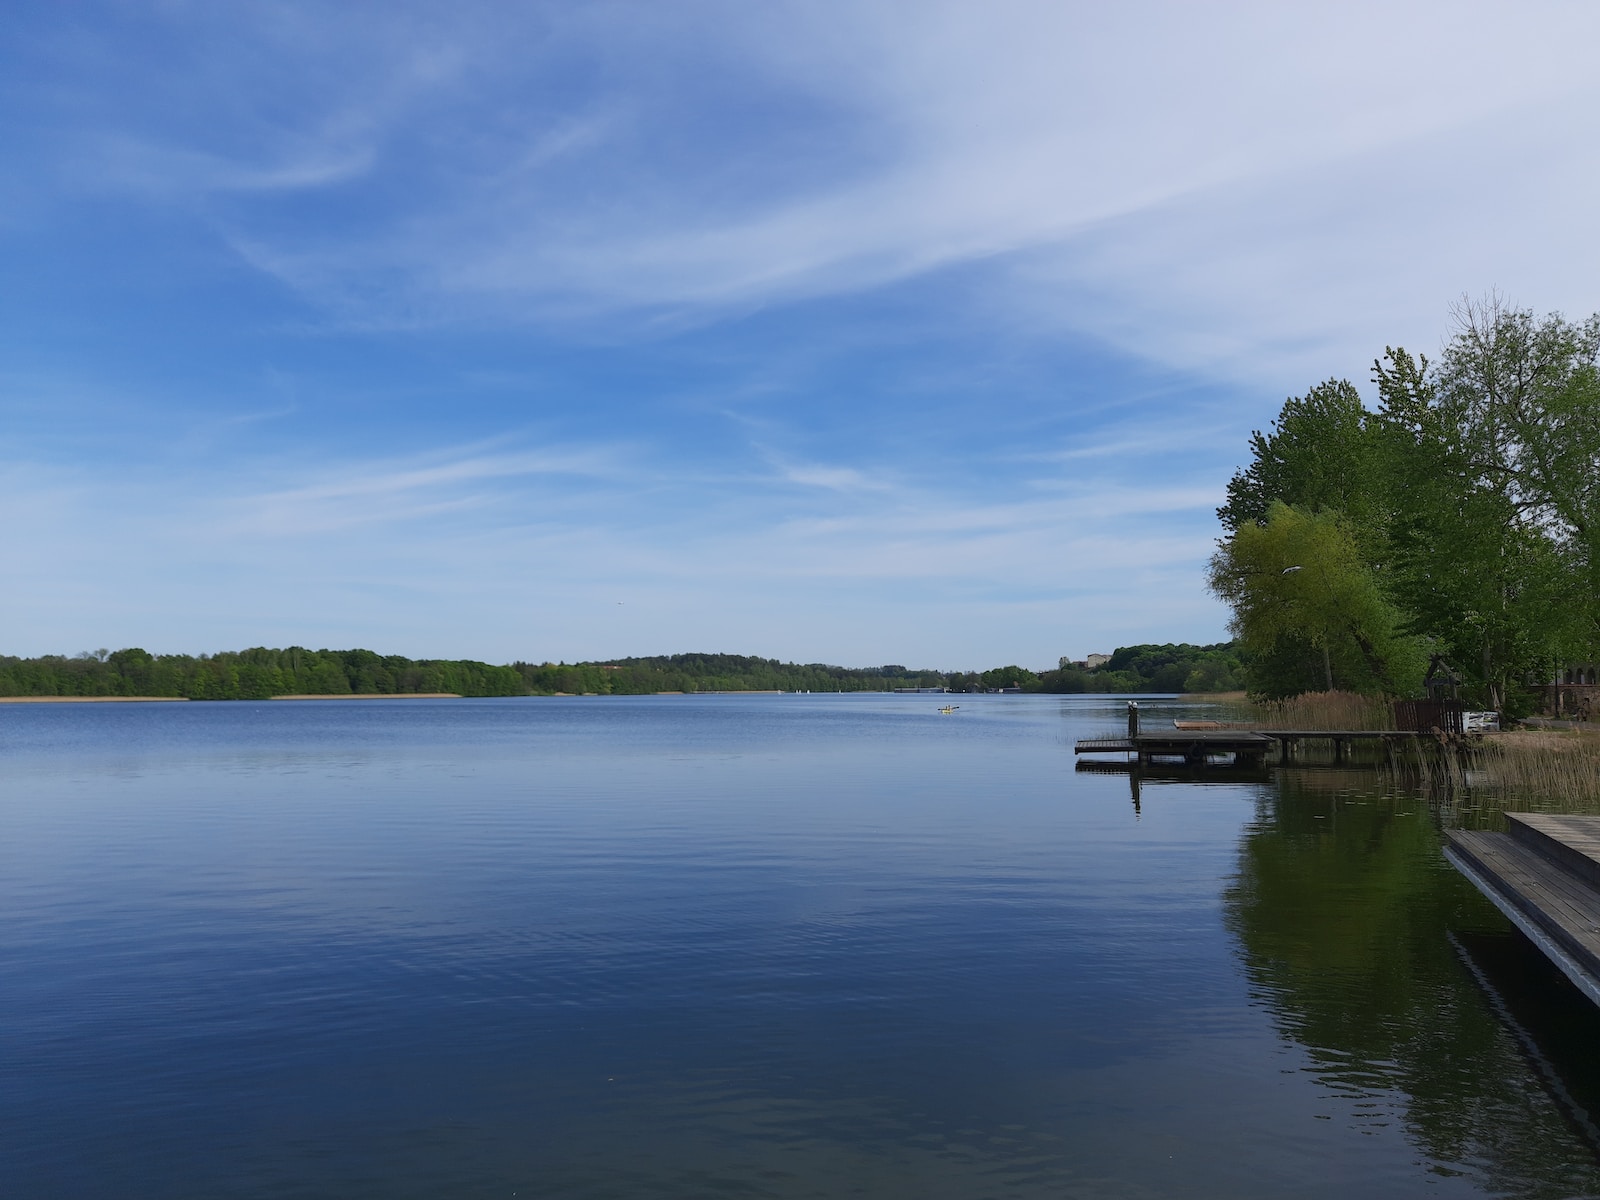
(185, 699)
(91, 699)
(373, 696)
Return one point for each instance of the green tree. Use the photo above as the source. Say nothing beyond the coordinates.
(1163, 668)
(1211, 675)
(1497, 528)
(1299, 579)
(1325, 452)
(1011, 676)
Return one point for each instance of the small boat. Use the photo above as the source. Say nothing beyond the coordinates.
(949, 708)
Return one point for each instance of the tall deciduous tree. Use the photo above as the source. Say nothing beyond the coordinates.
(1472, 496)
(1324, 452)
(1299, 579)
(1496, 530)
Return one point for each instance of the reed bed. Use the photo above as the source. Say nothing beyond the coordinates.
(1531, 771)
(1435, 767)
(1557, 771)
(1523, 770)
(1322, 710)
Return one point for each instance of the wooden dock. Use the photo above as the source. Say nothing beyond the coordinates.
(1545, 876)
(1246, 747)
(1290, 740)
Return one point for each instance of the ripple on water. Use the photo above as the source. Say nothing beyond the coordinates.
(768, 946)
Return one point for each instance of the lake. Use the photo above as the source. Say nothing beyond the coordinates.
(745, 946)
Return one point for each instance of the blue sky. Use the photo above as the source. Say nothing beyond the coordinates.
(924, 333)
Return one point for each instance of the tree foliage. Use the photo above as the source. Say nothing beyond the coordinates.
(1496, 533)
(1298, 582)
(1324, 453)
(1171, 667)
(1471, 496)
(260, 673)
(254, 674)
(714, 673)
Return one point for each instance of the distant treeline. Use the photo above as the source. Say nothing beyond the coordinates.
(715, 673)
(260, 673)
(251, 675)
(1168, 668)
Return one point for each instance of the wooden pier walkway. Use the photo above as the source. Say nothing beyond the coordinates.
(1193, 746)
(1545, 876)
(1248, 747)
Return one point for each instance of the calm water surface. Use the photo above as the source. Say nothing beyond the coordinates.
(744, 946)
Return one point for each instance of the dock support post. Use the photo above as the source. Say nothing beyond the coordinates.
(1341, 749)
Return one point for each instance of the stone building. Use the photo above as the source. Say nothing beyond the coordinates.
(1575, 691)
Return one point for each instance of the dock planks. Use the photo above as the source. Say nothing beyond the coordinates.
(1245, 745)
(1192, 745)
(1545, 876)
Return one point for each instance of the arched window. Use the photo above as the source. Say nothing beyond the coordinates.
(1569, 675)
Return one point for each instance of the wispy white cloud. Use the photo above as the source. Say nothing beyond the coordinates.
(170, 172)
(825, 476)
(349, 494)
(1202, 427)
(1240, 187)
(1025, 130)
(839, 479)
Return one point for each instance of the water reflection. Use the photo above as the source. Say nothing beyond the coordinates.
(1141, 775)
(780, 946)
(1414, 1001)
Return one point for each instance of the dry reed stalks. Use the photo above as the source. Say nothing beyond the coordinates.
(1431, 765)
(1505, 772)
(1550, 771)
(1323, 710)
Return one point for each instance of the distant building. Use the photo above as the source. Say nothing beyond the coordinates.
(1084, 664)
(1574, 692)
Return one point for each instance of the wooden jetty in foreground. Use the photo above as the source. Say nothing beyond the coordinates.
(1545, 876)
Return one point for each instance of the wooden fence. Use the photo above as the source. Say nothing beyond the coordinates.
(1425, 716)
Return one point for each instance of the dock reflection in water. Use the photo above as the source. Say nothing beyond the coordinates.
(1356, 936)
